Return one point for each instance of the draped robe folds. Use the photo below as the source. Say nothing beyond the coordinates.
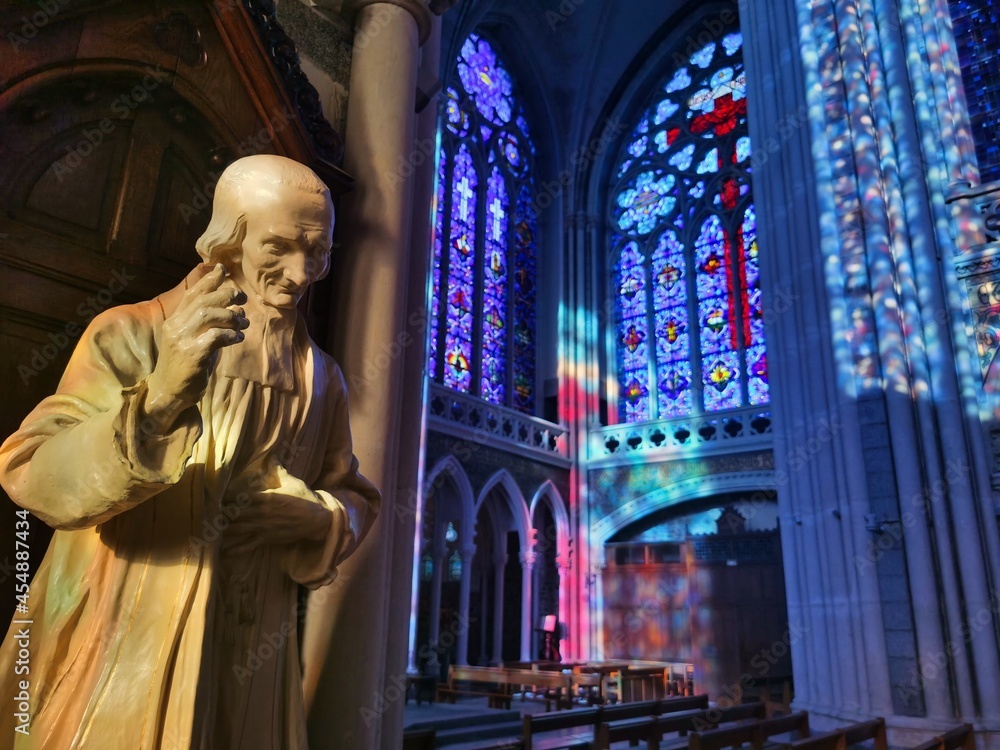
(144, 634)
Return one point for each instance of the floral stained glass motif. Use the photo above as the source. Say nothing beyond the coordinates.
(633, 329)
(483, 276)
(686, 271)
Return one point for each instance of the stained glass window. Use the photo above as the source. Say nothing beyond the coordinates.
(455, 567)
(685, 273)
(486, 224)
(977, 36)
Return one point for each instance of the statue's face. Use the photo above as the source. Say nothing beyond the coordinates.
(286, 248)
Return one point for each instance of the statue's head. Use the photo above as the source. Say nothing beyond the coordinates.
(271, 226)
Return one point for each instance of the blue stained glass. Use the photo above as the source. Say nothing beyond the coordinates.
(664, 111)
(669, 272)
(757, 383)
(634, 333)
(525, 231)
(455, 567)
(742, 149)
(682, 159)
(710, 163)
(494, 360)
(674, 386)
(461, 276)
(720, 77)
(714, 323)
(657, 317)
(457, 120)
(703, 57)
(672, 343)
(732, 43)
(976, 25)
(487, 299)
(721, 381)
(638, 147)
(644, 204)
(487, 83)
(439, 240)
(681, 80)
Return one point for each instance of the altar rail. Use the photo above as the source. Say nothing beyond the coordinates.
(704, 433)
(472, 418)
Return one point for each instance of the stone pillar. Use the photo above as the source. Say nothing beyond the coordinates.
(527, 577)
(500, 565)
(564, 567)
(465, 587)
(360, 629)
(440, 557)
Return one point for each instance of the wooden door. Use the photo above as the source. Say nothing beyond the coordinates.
(100, 205)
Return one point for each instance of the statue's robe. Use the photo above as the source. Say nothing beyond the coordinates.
(144, 633)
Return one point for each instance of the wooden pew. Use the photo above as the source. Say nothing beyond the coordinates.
(589, 719)
(652, 729)
(496, 694)
(844, 737)
(754, 735)
(499, 684)
(864, 731)
(959, 738)
(827, 741)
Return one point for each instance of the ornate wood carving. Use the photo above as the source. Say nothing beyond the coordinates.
(328, 143)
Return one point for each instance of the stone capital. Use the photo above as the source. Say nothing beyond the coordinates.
(416, 8)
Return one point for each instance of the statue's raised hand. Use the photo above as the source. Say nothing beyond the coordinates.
(207, 318)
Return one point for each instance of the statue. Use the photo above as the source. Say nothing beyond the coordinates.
(196, 463)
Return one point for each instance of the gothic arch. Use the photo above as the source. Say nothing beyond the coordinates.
(674, 495)
(449, 466)
(548, 493)
(515, 502)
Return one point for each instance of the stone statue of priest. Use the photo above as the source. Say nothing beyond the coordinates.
(196, 463)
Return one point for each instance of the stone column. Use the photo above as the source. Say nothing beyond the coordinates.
(527, 570)
(465, 587)
(360, 629)
(440, 557)
(564, 567)
(500, 564)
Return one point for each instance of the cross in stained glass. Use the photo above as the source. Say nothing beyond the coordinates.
(465, 194)
(496, 209)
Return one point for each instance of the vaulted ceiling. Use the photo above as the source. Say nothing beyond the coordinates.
(568, 56)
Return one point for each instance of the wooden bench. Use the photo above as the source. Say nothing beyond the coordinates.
(959, 738)
(755, 734)
(497, 696)
(589, 719)
(499, 685)
(844, 737)
(652, 729)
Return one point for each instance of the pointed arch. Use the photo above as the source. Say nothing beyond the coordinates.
(450, 469)
(675, 494)
(548, 493)
(515, 502)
